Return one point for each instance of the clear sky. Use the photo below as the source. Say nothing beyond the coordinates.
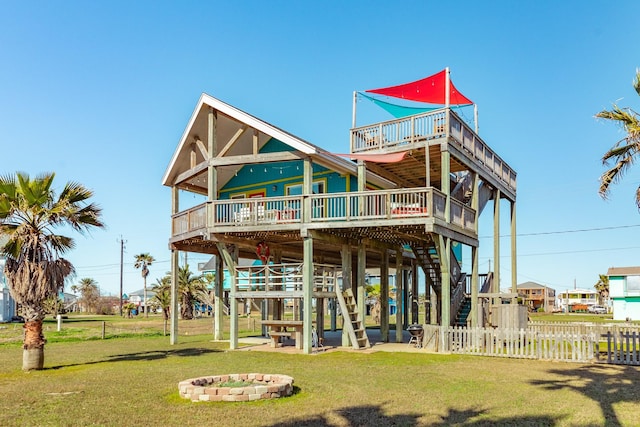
(100, 93)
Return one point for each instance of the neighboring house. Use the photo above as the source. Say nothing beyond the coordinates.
(70, 302)
(537, 296)
(577, 300)
(624, 292)
(7, 303)
(137, 298)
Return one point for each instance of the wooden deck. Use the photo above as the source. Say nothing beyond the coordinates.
(429, 129)
(334, 210)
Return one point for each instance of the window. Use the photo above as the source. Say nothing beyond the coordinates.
(633, 285)
(318, 187)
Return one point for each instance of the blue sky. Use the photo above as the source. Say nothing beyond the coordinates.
(100, 93)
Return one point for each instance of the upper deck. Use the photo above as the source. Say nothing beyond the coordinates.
(431, 129)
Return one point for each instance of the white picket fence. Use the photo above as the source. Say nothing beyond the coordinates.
(564, 342)
(512, 343)
(623, 348)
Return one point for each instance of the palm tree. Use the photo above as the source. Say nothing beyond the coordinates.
(30, 212)
(189, 287)
(90, 294)
(162, 290)
(602, 287)
(625, 152)
(143, 261)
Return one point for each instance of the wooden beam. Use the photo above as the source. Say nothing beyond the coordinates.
(232, 141)
(248, 159)
(202, 148)
(187, 175)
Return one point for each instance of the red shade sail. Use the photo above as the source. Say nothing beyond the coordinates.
(430, 90)
(376, 158)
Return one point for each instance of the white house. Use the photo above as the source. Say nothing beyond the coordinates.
(137, 298)
(7, 303)
(624, 292)
(576, 300)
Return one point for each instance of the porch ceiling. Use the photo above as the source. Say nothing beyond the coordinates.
(411, 171)
(326, 248)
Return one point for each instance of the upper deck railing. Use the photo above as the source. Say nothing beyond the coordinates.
(434, 124)
(332, 209)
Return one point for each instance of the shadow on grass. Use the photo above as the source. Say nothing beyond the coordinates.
(145, 356)
(371, 415)
(605, 384)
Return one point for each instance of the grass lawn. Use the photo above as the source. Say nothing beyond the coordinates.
(133, 381)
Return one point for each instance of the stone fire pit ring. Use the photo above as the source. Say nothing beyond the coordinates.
(262, 386)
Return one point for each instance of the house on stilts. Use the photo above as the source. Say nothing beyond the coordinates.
(409, 191)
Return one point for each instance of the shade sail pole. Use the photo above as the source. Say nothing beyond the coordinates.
(447, 88)
(353, 114)
(475, 117)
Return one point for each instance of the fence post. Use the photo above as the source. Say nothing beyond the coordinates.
(103, 329)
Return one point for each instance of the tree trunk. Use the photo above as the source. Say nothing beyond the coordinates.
(144, 298)
(33, 346)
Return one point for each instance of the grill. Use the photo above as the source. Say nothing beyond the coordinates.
(417, 332)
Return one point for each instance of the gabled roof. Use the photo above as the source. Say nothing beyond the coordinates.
(233, 123)
(531, 285)
(623, 271)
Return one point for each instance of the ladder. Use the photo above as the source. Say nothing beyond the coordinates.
(353, 324)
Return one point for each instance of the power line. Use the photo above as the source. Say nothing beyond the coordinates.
(581, 230)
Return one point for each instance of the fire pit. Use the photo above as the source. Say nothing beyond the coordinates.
(417, 332)
(253, 387)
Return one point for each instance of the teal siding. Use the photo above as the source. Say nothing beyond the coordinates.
(272, 178)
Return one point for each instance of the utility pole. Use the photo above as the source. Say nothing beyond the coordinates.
(122, 242)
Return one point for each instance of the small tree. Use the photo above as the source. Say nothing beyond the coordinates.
(190, 287)
(143, 261)
(90, 294)
(603, 288)
(162, 297)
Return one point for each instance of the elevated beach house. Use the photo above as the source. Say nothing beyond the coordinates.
(405, 193)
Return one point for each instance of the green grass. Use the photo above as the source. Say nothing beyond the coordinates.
(572, 317)
(123, 381)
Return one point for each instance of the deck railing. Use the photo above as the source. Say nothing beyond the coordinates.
(434, 124)
(285, 277)
(380, 205)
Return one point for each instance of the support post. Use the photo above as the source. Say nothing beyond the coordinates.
(175, 265)
(474, 287)
(514, 263)
(346, 284)
(230, 262)
(307, 285)
(399, 296)
(475, 204)
(219, 301)
(362, 265)
(496, 242)
(444, 253)
(384, 297)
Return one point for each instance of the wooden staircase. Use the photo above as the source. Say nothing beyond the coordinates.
(428, 259)
(463, 314)
(353, 324)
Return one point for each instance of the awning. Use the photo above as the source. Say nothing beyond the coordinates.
(376, 158)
